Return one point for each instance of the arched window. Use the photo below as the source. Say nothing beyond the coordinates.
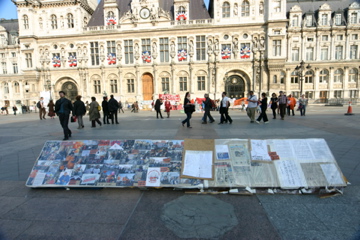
(110, 14)
(324, 76)
(6, 88)
(294, 77)
(353, 75)
(338, 76)
(309, 75)
(26, 22)
(282, 77)
(70, 20)
(181, 9)
(97, 86)
(353, 18)
(245, 8)
(226, 10)
(16, 87)
(274, 79)
(53, 21)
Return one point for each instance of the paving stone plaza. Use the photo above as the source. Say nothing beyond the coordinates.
(95, 213)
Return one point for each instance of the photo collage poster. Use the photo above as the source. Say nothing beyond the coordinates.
(110, 163)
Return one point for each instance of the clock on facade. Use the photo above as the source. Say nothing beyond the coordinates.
(144, 13)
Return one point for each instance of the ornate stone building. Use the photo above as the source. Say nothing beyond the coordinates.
(137, 49)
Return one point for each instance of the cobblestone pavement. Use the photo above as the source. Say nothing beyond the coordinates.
(27, 213)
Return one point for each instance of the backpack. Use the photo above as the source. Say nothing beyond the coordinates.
(38, 105)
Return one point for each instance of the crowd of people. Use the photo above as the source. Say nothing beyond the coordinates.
(279, 104)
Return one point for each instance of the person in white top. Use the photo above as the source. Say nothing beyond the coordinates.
(224, 109)
(252, 105)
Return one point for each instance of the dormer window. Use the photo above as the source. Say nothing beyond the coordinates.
(295, 21)
(245, 8)
(353, 18)
(53, 22)
(324, 19)
(309, 20)
(110, 19)
(70, 20)
(226, 10)
(26, 22)
(338, 19)
(277, 6)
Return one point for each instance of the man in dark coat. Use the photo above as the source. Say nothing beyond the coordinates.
(79, 111)
(158, 103)
(208, 106)
(105, 108)
(63, 107)
(113, 108)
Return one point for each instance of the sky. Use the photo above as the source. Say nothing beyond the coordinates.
(8, 9)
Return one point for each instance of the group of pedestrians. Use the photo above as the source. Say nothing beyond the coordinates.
(281, 104)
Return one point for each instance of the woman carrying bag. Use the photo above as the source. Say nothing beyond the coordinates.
(189, 108)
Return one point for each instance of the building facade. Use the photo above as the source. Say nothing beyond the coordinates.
(137, 49)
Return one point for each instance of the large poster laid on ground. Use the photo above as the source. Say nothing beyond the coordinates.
(255, 163)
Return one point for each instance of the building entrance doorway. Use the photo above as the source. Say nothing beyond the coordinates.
(148, 86)
(235, 87)
(70, 89)
(323, 96)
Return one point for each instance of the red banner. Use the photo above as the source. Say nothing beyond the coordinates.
(170, 97)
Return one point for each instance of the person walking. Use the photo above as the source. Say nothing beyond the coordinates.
(121, 107)
(79, 111)
(94, 113)
(14, 109)
(207, 107)
(63, 107)
(168, 107)
(274, 104)
(51, 107)
(23, 109)
(157, 107)
(252, 105)
(303, 102)
(282, 100)
(113, 108)
(224, 109)
(41, 107)
(291, 105)
(189, 108)
(106, 112)
(263, 107)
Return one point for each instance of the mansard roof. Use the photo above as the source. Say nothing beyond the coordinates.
(10, 25)
(314, 5)
(197, 10)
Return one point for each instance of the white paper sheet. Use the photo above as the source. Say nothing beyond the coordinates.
(283, 148)
(198, 164)
(153, 177)
(302, 150)
(259, 150)
(290, 174)
(222, 152)
(321, 150)
(332, 174)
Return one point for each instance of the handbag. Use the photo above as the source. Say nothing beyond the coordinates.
(73, 119)
(99, 108)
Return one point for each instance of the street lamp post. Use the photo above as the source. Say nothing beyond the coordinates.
(300, 72)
